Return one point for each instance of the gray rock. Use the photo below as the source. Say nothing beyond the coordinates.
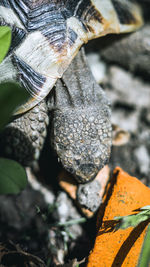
(131, 51)
(88, 195)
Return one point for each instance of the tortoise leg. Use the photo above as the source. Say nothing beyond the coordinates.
(81, 126)
(23, 138)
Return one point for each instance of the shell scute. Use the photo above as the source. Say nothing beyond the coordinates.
(123, 12)
(50, 33)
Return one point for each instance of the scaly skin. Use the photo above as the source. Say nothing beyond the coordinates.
(80, 123)
(46, 36)
(23, 138)
(81, 131)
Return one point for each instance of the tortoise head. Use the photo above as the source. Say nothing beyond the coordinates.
(82, 140)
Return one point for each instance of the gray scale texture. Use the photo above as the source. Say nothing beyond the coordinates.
(83, 146)
(88, 195)
(80, 126)
(23, 138)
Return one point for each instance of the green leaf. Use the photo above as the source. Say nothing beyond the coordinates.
(13, 177)
(5, 41)
(145, 207)
(134, 219)
(11, 96)
(144, 259)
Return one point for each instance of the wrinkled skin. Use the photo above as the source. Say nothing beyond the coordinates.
(80, 131)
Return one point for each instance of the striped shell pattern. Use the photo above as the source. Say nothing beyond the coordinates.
(47, 34)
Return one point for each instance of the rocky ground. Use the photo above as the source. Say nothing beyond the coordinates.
(126, 82)
(43, 220)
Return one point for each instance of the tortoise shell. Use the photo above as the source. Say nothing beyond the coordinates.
(47, 34)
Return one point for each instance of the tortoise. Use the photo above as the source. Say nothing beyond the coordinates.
(46, 36)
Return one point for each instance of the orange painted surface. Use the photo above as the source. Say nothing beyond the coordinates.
(121, 247)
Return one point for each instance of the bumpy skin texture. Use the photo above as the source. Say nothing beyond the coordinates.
(80, 124)
(46, 36)
(23, 138)
(81, 127)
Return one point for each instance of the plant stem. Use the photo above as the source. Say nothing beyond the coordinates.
(144, 259)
